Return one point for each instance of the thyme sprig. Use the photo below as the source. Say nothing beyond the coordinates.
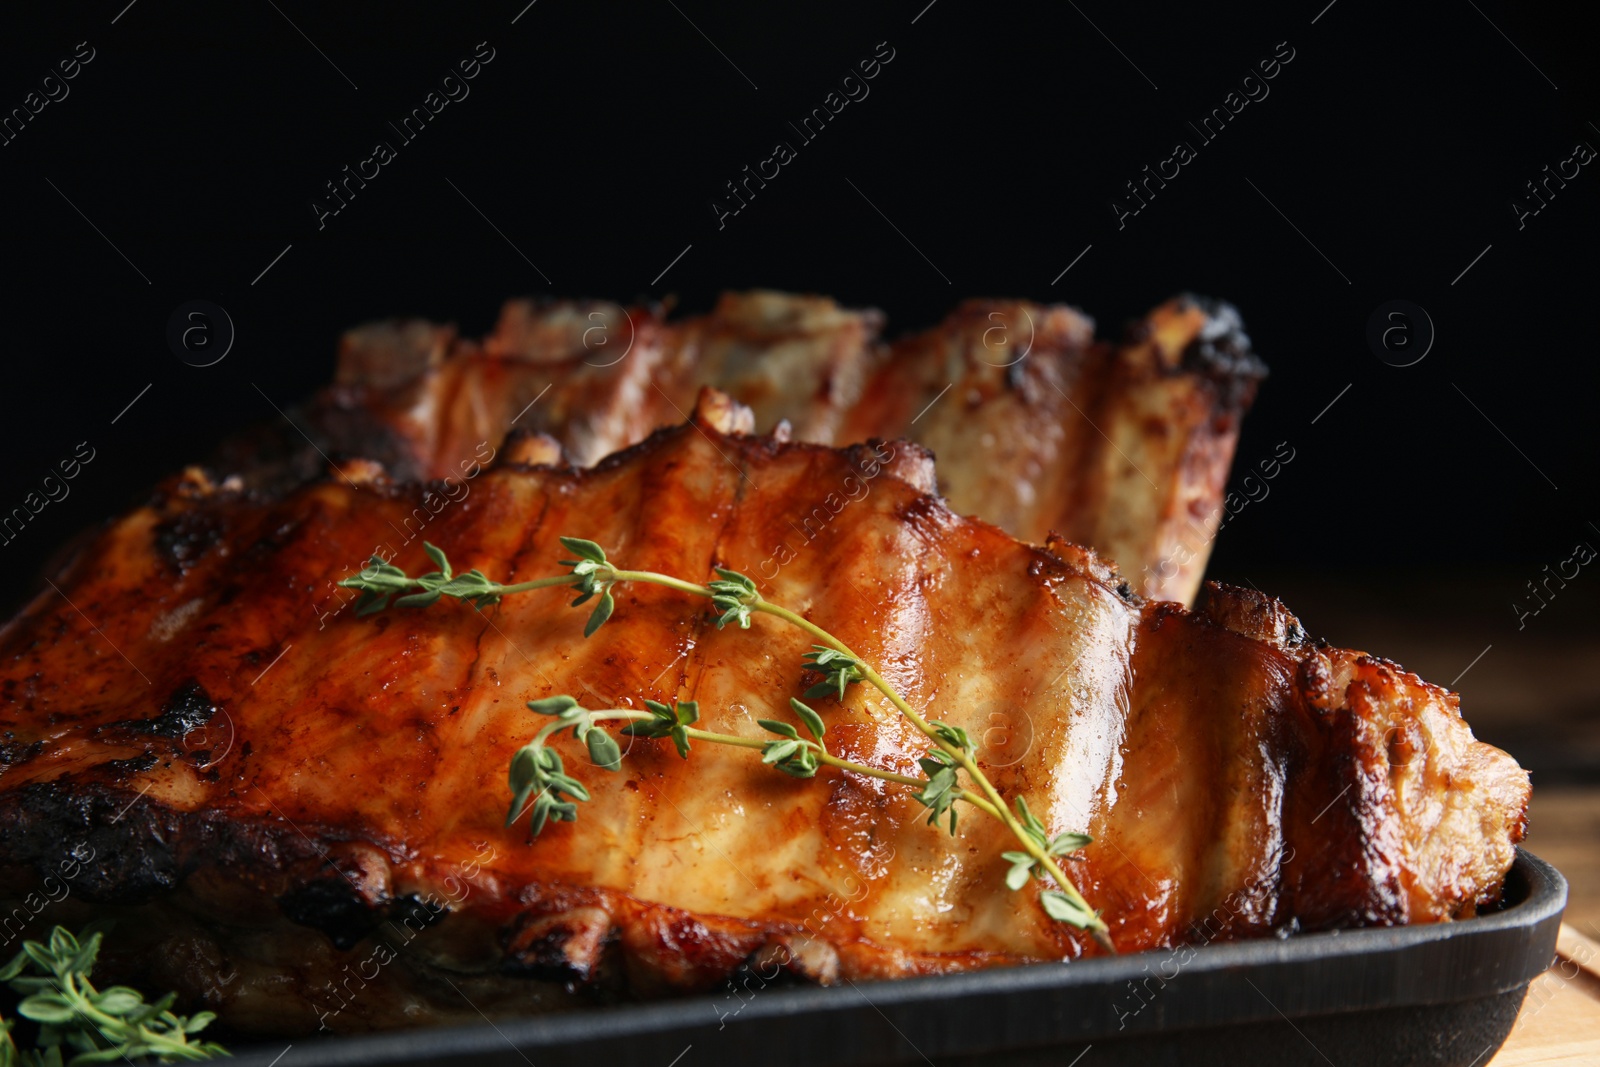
(533, 772)
(542, 790)
(1024, 865)
(380, 580)
(791, 753)
(79, 1024)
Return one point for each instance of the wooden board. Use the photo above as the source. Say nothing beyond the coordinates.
(1560, 1020)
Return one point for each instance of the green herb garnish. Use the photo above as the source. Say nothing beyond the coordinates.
(542, 790)
(79, 1024)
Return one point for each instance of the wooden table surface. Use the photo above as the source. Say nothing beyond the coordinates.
(1560, 1019)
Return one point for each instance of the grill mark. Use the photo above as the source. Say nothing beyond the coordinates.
(184, 540)
(16, 753)
(188, 708)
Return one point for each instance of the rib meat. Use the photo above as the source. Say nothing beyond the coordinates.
(246, 757)
(1038, 427)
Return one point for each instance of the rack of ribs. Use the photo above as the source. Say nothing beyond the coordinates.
(299, 811)
(1038, 427)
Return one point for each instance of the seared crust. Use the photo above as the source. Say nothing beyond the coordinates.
(1039, 428)
(1238, 778)
(1042, 430)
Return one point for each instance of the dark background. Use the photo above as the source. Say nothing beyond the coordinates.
(1394, 142)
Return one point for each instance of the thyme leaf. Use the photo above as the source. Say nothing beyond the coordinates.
(602, 612)
(552, 705)
(954, 736)
(1022, 865)
(797, 759)
(939, 796)
(735, 596)
(603, 750)
(79, 1024)
(838, 669)
(1063, 908)
(1060, 844)
(588, 550)
(812, 720)
(671, 722)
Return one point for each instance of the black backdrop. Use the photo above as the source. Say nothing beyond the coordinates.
(1382, 164)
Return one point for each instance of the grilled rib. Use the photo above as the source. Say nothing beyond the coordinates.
(244, 754)
(1038, 427)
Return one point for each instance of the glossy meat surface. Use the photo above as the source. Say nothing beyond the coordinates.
(200, 705)
(1038, 427)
